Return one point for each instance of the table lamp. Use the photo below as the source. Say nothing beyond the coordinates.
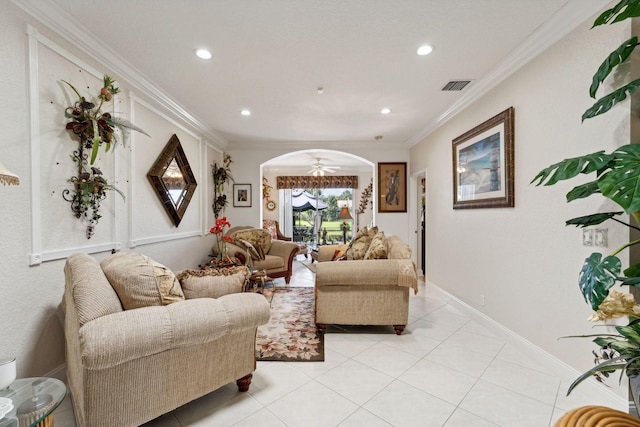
(344, 216)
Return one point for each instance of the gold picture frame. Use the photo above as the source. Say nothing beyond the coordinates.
(483, 160)
(392, 187)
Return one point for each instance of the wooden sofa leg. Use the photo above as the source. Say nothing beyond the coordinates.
(321, 327)
(244, 383)
(399, 329)
(287, 279)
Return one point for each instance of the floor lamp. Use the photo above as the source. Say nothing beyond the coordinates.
(344, 216)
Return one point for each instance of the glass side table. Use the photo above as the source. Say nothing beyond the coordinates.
(34, 400)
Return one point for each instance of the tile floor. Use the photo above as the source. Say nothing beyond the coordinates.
(445, 370)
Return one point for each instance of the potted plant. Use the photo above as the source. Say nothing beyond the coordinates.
(616, 176)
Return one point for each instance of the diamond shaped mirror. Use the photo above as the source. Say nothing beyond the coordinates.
(173, 180)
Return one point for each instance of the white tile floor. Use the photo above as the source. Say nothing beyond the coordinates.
(445, 370)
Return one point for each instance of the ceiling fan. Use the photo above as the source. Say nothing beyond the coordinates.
(320, 168)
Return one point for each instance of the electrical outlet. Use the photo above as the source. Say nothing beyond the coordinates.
(600, 237)
(482, 301)
(587, 237)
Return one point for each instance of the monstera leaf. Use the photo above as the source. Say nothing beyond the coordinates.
(621, 11)
(570, 168)
(589, 220)
(614, 59)
(607, 102)
(597, 277)
(622, 182)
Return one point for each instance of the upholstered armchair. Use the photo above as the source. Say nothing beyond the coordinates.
(137, 348)
(256, 247)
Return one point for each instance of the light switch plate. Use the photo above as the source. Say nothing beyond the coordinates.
(600, 237)
(587, 237)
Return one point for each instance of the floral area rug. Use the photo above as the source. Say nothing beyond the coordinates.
(291, 334)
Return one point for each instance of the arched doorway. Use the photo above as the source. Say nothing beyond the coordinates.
(303, 163)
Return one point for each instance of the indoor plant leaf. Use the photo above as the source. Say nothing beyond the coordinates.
(608, 366)
(569, 168)
(607, 102)
(621, 11)
(582, 191)
(632, 271)
(630, 334)
(622, 182)
(594, 219)
(597, 277)
(614, 59)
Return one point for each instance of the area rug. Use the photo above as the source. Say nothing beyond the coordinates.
(291, 334)
(307, 263)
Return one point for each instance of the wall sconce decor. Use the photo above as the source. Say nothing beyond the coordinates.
(7, 177)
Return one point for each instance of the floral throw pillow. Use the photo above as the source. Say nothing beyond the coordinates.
(377, 248)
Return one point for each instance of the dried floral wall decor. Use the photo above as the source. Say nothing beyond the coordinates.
(93, 128)
(221, 175)
(365, 201)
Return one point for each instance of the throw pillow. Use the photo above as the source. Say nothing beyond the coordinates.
(257, 237)
(212, 283)
(359, 245)
(338, 254)
(248, 246)
(377, 248)
(270, 226)
(139, 281)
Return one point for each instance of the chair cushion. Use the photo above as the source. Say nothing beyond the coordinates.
(213, 283)
(139, 281)
(269, 262)
(257, 237)
(377, 248)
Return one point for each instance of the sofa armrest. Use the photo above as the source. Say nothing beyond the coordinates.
(283, 248)
(119, 337)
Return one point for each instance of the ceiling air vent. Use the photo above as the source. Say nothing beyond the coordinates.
(456, 85)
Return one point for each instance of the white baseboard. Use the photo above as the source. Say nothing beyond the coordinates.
(549, 362)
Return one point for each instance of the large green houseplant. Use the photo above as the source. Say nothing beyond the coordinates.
(616, 176)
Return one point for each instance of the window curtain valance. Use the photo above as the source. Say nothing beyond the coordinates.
(290, 182)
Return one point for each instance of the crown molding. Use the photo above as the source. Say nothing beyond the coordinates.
(77, 34)
(568, 18)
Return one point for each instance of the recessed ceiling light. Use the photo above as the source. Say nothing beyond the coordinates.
(203, 53)
(385, 111)
(424, 50)
(245, 112)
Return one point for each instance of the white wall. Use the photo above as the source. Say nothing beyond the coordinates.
(523, 259)
(29, 314)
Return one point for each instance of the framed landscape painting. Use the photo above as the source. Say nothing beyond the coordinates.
(241, 195)
(483, 164)
(392, 187)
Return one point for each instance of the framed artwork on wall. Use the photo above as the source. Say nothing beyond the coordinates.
(392, 187)
(483, 161)
(241, 195)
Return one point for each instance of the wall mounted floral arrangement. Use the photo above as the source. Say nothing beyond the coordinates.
(94, 128)
(365, 202)
(221, 175)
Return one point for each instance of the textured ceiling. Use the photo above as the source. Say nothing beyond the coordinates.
(270, 56)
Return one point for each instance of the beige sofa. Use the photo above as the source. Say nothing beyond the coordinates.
(136, 348)
(262, 252)
(365, 291)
